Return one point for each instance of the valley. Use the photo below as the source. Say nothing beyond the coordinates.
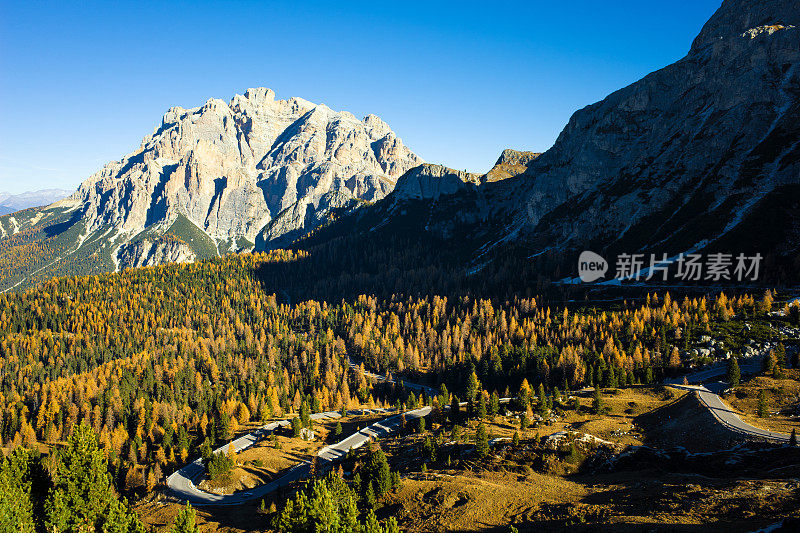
(210, 352)
(274, 316)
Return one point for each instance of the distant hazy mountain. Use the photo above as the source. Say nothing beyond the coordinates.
(17, 202)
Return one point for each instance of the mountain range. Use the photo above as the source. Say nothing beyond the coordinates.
(702, 155)
(10, 203)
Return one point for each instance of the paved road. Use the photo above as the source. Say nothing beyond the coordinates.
(719, 409)
(751, 365)
(373, 431)
(181, 483)
(430, 391)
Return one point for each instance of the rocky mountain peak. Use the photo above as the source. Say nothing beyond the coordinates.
(511, 163)
(735, 18)
(260, 95)
(233, 174)
(429, 181)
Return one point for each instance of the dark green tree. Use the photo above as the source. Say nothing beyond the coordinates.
(481, 406)
(524, 422)
(220, 467)
(326, 504)
(185, 521)
(455, 410)
(542, 407)
(481, 441)
(369, 498)
(734, 374)
(473, 386)
(780, 355)
(16, 501)
(444, 395)
(297, 427)
(762, 404)
(305, 415)
(376, 472)
(494, 404)
(429, 448)
(597, 401)
(82, 496)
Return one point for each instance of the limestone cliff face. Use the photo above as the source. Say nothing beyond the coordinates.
(238, 170)
(703, 154)
(147, 253)
(690, 148)
(428, 182)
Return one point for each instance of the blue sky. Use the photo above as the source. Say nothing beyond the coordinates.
(82, 83)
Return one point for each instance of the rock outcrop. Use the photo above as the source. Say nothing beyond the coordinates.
(149, 252)
(511, 163)
(428, 182)
(702, 155)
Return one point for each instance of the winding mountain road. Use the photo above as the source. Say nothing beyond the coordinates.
(430, 391)
(728, 418)
(181, 482)
(718, 408)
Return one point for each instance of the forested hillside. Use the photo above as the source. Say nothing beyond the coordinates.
(163, 361)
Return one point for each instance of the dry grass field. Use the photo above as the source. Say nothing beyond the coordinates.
(782, 397)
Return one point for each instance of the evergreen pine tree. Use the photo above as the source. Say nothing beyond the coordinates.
(473, 386)
(597, 401)
(780, 355)
(82, 494)
(762, 404)
(481, 441)
(376, 471)
(371, 524)
(494, 404)
(481, 406)
(444, 395)
(455, 411)
(391, 526)
(369, 496)
(542, 406)
(734, 374)
(185, 521)
(16, 500)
